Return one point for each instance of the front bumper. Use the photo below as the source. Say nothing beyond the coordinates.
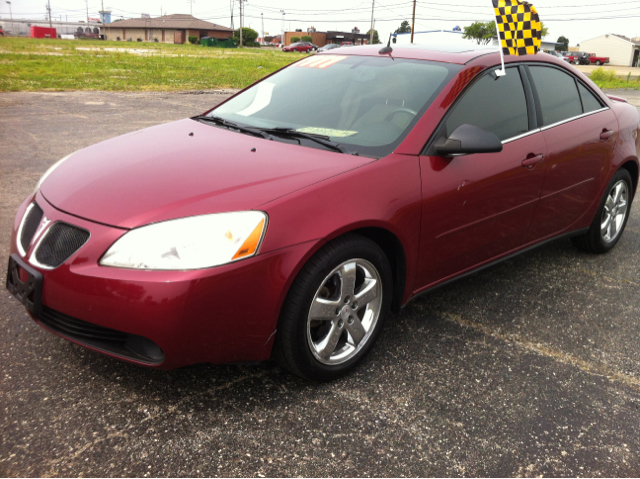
(223, 314)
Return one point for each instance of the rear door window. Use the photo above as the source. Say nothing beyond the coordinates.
(558, 94)
(495, 104)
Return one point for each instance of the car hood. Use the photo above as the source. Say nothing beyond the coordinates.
(184, 168)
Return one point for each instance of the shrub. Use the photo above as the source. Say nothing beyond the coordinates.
(307, 38)
(295, 39)
(602, 75)
(249, 35)
(193, 39)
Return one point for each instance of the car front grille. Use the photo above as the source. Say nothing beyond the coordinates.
(121, 344)
(59, 243)
(30, 225)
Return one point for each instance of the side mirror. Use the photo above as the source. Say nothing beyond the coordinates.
(468, 139)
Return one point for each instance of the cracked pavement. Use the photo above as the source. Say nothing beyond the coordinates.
(530, 368)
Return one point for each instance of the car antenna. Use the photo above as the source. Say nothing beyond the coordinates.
(388, 48)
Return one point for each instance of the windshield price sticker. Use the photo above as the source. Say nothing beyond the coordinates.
(320, 61)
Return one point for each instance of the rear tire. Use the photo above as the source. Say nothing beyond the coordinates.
(335, 309)
(598, 62)
(610, 220)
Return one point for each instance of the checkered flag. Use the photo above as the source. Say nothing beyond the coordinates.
(519, 27)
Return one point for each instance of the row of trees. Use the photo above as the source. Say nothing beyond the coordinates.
(484, 32)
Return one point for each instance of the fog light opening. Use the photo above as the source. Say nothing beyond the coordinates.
(144, 347)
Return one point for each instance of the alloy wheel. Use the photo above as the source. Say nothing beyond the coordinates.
(344, 312)
(614, 212)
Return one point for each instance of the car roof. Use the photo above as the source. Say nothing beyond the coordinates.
(458, 54)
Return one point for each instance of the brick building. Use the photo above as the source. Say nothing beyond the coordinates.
(166, 29)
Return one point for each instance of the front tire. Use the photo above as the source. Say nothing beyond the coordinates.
(308, 50)
(608, 225)
(335, 309)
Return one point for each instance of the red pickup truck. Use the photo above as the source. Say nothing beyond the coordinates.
(594, 59)
(583, 58)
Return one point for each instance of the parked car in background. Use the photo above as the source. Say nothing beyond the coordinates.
(593, 59)
(574, 57)
(300, 47)
(1, 32)
(346, 44)
(288, 221)
(555, 54)
(329, 46)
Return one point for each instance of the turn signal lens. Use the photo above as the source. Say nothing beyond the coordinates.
(250, 245)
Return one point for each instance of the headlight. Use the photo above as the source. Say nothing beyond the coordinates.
(49, 171)
(189, 243)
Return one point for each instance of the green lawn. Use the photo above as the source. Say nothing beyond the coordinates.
(608, 79)
(28, 64)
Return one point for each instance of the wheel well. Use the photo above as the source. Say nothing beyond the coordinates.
(394, 251)
(632, 168)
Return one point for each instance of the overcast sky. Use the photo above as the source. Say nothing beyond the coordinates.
(576, 19)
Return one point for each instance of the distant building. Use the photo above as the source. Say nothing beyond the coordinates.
(321, 39)
(22, 28)
(621, 50)
(175, 28)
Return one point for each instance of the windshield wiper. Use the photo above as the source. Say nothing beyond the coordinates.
(320, 139)
(231, 125)
(268, 133)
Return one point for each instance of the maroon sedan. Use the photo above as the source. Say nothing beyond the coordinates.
(287, 225)
(300, 47)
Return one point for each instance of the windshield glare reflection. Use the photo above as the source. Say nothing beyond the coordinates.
(369, 103)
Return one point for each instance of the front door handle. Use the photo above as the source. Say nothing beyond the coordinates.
(532, 161)
(606, 134)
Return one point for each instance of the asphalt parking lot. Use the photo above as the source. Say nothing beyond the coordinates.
(531, 368)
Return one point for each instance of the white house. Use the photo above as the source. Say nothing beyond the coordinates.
(621, 50)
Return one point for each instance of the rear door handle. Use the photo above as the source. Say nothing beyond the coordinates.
(606, 134)
(532, 161)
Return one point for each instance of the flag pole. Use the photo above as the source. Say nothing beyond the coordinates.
(503, 72)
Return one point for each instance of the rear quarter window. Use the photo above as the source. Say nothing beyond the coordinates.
(589, 101)
(558, 94)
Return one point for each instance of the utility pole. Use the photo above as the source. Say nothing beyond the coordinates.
(104, 29)
(11, 15)
(282, 11)
(373, 4)
(413, 21)
(262, 16)
(241, 23)
(49, 10)
(87, 2)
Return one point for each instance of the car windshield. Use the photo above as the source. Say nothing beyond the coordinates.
(366, 104)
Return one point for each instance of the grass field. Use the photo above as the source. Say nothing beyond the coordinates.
(28, 64)
(608, 79)
(58, 65)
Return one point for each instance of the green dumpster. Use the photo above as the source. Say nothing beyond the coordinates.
(209, 42)
(228, 43)
(216, 42)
